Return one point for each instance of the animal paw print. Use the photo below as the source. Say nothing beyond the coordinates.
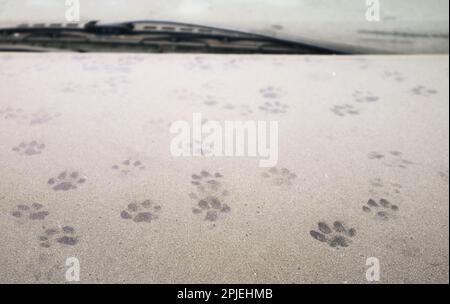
(345, 110)
(275, 107)
(393, 75)
(200, 148)
(184, 95)
(10, 113)
(391, 159)
(375, 155)
(271, 93)
(367, 96)
(212, 206)
(210, 195)
(64, 236)
(391, 188)
(66, 181)
(200, 63)
(279, 177)
(423, 91)
(243, 110)
(383, 210)
(32, 212)
(129, 166)
(207, 182)
(144, 212)
(443, 175)
(336, 236)
(210, 101)
(158, 124)
(40, 118)
(31, 148)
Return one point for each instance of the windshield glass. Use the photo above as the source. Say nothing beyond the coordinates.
(371, 26)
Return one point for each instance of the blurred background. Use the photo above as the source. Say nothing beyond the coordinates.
(402, 26)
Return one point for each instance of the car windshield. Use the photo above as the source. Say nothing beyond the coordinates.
(371, 26)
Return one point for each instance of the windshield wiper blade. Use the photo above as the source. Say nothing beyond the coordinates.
(154, 36)
(26, 49)
(178, 30)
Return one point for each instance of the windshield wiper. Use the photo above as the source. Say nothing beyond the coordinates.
(151, 36)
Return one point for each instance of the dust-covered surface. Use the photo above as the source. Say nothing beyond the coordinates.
(86, 169)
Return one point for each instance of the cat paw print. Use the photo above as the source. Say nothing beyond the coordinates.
(34, 212)
(391, 159)
(31, 148)
(128, 166)
(383, 210)
(423, 91)
(158, 124)
(199, 148)
(210, 195)
(66, 181)
(336, 236)
(10, 113)
(387, 188)
(279, 177)
(243, 110)
(184, 94)
(367, 96)
(212, 207)
(141, 212)
(64, 236)
(210, 101)
(39, 118)
(207, 182)
(393, 75)
(271, 93)
(345, 110)
(274, 107)
(200, 63)
(443, 175)
(375, 155)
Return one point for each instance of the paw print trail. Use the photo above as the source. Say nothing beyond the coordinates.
(336, 236)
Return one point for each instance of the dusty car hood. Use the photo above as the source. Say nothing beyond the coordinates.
(352, 129)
